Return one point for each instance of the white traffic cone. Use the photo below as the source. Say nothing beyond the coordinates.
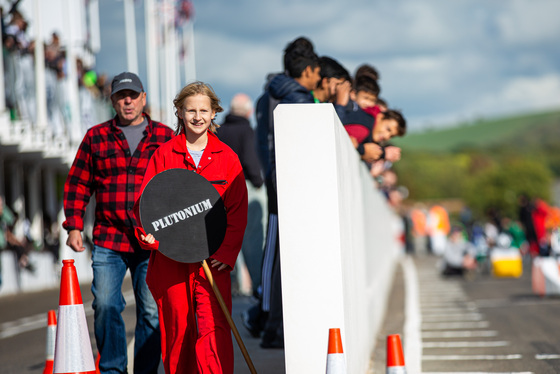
(336, 364)
(72, 354)
(51, 339)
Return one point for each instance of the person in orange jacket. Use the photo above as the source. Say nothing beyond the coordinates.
(195, 334)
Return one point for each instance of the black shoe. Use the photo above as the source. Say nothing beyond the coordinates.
(272, 340)
(276, 343)
(253, 330)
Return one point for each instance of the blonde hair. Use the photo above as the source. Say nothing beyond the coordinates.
(192, 89)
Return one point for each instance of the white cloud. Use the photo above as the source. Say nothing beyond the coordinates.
(438, 60)
(235, 61)
(526, 93)
(526, 22)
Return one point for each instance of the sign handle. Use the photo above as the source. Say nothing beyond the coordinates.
(228, 317)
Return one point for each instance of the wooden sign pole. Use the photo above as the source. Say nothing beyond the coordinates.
(228, 317)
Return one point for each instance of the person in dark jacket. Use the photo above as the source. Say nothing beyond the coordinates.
(335, 85)
(295, 85)
(237, 133)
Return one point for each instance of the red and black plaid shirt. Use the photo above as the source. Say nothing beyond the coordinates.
(104, 166)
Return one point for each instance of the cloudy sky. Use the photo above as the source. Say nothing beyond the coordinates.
(441, 62)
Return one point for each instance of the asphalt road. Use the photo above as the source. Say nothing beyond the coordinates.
(23, 329)
(479, 325)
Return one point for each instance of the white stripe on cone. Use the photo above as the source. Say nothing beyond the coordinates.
(73, 352)
(396, 370)
(51, 339)
(336, 363)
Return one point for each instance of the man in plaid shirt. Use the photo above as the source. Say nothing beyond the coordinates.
(110, 164)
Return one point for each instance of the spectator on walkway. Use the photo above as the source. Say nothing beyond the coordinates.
(459, 254)
(110, 164)
(7, 220)
(515, 231)
(196, 337)
(418, 218)
(367, 70)
(438, 227)
(237, 133)
(526, 208)
(10, 241)
(334, 86)
(17, 28)
(368, 126)
(302, 73)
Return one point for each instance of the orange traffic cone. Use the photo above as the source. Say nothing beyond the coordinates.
(51, 339)
(72, 353)
(97, 371)
(395, 356)
(335, 356)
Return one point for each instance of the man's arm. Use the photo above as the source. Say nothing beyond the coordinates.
(75, 241)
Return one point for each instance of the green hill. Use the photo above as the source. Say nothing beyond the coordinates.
(519, 130)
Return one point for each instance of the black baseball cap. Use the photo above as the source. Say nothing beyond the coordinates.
(126, 81)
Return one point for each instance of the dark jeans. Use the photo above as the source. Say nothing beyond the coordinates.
(109, 269)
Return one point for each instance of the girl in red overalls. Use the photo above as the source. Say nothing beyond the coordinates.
(195, 334)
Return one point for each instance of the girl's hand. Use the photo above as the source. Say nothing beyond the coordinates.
(220, 265)
(148, 238)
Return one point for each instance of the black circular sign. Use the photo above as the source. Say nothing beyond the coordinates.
(185, 213)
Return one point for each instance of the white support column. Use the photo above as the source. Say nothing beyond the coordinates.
(170, 61)
(153, 89)
(33, 201)
(40, 84)
(17, 196)
(72, 77)
(189, 62)
(2, 93)
(130, 32)
(94, 32)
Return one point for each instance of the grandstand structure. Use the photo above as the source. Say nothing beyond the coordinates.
(44, 112)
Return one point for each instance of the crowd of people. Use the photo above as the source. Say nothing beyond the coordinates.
(370, 124)
(465, 244)
(19, 78)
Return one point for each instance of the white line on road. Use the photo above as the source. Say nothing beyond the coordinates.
(499, 343)
(428, 317)
(479, 372)
(37, 321)
(448, 304)
(449, 310)
(413, 343)
(12, 328)
(442, 292)
(547, 357)
(455, 325)
(504, 303)
(460, 334)
(470, 357)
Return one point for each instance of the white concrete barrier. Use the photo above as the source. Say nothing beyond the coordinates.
(46, 273)
(338, 240)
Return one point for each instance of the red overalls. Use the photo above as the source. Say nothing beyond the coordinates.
(195, 334)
